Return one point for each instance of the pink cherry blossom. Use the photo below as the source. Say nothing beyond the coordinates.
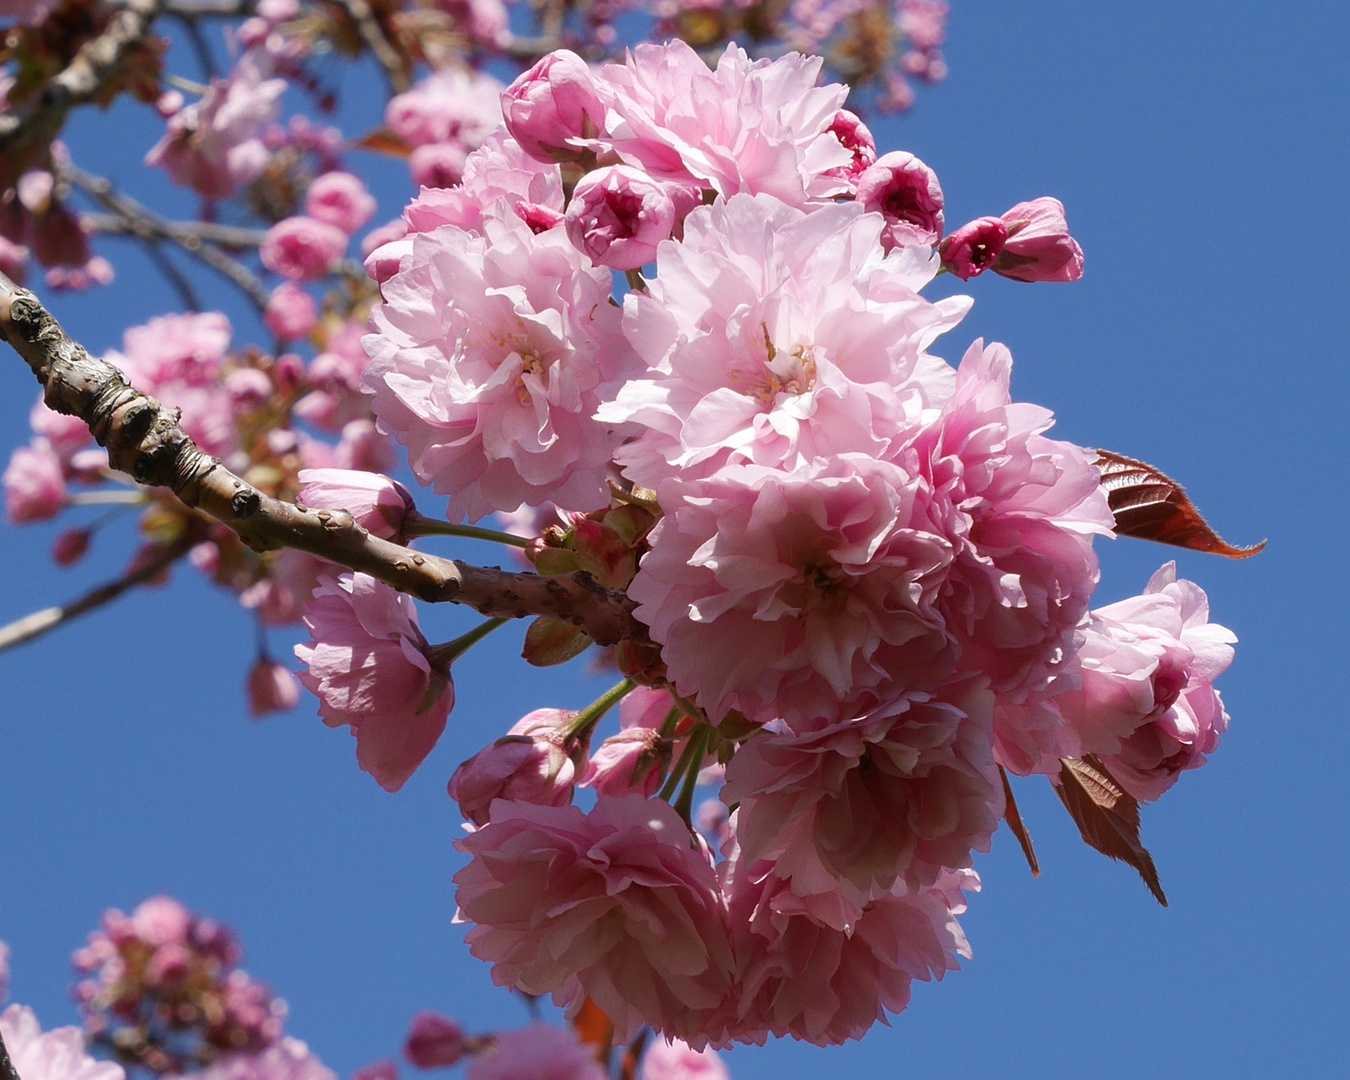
(35, 486)
(1039, 247)
(618, 215)
(449, 104)
(433, 1041)
(489, 357)
(58, 1054)
(972, 249)
(340, 199)
(64, 432)
(288, 1059)
(615, 905)
(161, 920)
(538, 1052)
(554, 110)
(906, 192)
(438, 165)
(375, 501)
(636, 758)
(368, 666)
(749, 126)
(857, 139)
(272, 687)
(291, 312)
(302, 248)
(532, 763)
(677, 1060)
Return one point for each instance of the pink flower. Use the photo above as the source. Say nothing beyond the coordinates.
(376, 502)
(489, 357)
(854, 808)
(857, 139)
(368, 667)
(538, 1052)
(340, 199)
(618, 215)
(677, 1060)
(1039, 246)
(54, 1055)
(291, 312)
(749, 126)
(302, 248)
(450, 104)
(35, 487)
(187, 349)
(272, 687)
(530, 764)
(615, 905)
(383, 1069)
(554, 110)
(214, 146)
(433, 1041)
(438, 165)
(64, 432)
(907, 193)
(4, 971)
(161, 920)
(289, 1059)
(972, 249)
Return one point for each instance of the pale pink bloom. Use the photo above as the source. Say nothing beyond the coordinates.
(363, 448)
(1021, 511)
(281, 596)
(530, 764)
(288, 1059)
(617, 905)
(1039, 246)
(248, 388)
(168, 966)
(972, 249)
(448, 104)
(35, 487)
(54, 1055)
(161, 920)
(633, 761)
(1156, 680)
(340, 199)
(213, 146)
(376, 502)
(490, 356)
(619, 214)
(368, 667)
(433, 1041)
(554, 110)
(760, 126)
(538, 1052)
(291, 312)
(278, 11)
(677, 1060)
(185, 349)
(816, 981)
(906, 192)
(485, 21)
(302, 248)
(64, 432)
(438, 165)
(772, 335)
(854, 808)
(809, 595)
(272, 687)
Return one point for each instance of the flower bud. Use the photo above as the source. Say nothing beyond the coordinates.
(619, 214)
(972, 249)
(70, 547)
(530, 764)
(434, 1041)
(340, 199)
(291, 312)
(554, 108)
(906, 191)
(302, 248)
(376, 502)
(272, 687)
(1039, 246)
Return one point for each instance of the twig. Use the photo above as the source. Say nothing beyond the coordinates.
(143, 440)
(197, 40)
(38, 623)
(369, 28)
(97, 61)
(193, 9)
(227, 236)
(144, 222)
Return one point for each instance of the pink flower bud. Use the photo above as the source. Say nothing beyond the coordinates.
(291, 312)
(619, 214)
(272, 687)
(376, 502)
(972, 249)
(248, 387)
(438, 165)
(70, 547)
(302, 248)
(631, 762)
(907, 193)
(529, 765)
(277, 11)
(554, 108)
(340, 199)
(287, 372)
(1039, 246)
(434, 1041)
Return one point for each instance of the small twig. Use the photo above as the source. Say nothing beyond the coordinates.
(226, 236)
(199, 45)
(38, 623)
(186, 291)
(144, 440)
(369, 28)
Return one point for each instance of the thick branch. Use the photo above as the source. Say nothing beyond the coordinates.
(143, 439)
(97, 61)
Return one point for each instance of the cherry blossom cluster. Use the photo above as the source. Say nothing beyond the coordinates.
(866, 574)
(163, 991)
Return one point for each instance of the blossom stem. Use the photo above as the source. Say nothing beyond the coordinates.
(692, 750)
(636, 281)
(415, 525)
(698, 742)
(442, 656)
(591, 715)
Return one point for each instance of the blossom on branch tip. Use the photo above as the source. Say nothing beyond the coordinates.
(554, 110)
(1039, 247)
(433, 1041)
(340, 199)
(302, 248)
(972, 249)
(272, 687)
(532, 763)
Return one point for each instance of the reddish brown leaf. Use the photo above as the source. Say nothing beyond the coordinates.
(1014, 820)
(1152, 506)
(1107, 816)
(594, 1027)
(551, 641)
(384, 142)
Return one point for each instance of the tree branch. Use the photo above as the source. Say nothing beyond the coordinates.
(369, 28)
(143, 439)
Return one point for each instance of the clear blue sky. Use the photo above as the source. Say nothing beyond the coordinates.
(1201, 151)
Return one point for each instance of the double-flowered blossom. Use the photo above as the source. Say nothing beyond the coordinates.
(58, 1054)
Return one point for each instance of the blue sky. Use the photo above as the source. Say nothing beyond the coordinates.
(1200, 150)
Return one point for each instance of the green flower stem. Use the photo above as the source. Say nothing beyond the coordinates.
(692, 747)
(698, 742)
(415, 525)
(582, 723)
(442, 656)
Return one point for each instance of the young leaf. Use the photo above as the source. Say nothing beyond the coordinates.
(1107, 816)
(1152, 506)
(1014, 820)
(551, 641)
